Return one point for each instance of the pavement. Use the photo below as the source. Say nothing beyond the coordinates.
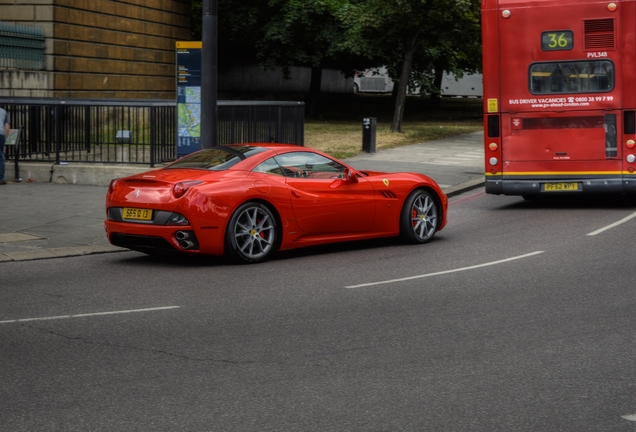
(44, 217)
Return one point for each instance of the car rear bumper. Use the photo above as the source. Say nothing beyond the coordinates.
(598, 184)
(140, 243)
(157, 239)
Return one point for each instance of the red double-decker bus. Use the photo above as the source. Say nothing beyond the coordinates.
(559, 96)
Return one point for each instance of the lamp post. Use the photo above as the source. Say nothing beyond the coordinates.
(209, 74)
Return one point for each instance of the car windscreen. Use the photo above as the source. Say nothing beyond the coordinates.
(216, 158)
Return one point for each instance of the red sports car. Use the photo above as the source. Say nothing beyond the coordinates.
(247, 201)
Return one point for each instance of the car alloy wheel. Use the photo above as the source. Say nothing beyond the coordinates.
(251, 234)
(418, 221)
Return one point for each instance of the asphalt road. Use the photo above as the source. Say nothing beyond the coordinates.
(519, 316)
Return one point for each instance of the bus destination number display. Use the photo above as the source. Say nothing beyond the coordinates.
(557, 40)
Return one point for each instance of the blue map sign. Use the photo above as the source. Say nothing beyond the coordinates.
(188, 97)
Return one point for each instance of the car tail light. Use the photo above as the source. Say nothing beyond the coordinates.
(111, 186)
(181, 188)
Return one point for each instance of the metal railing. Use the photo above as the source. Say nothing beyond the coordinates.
(249, 121)
(21, 46)
(136, 131)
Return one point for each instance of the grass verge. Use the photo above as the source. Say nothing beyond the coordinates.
(338, 130)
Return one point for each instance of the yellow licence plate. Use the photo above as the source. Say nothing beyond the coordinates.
(138, 214)
(556, 187)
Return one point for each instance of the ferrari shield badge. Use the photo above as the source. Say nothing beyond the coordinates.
(386, 182)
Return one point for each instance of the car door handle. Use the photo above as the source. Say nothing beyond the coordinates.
(296, 194)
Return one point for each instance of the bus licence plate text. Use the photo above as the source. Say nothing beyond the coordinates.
(556, 187)
(138, 214)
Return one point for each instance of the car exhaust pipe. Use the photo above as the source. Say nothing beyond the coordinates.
(186, 244)
(186, 239)
(182, 235)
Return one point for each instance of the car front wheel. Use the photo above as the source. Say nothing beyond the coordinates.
(418, 221)
(251, 234)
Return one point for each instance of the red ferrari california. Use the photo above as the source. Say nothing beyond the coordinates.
(247, 201)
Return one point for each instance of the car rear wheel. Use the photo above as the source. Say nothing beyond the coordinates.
(251, 234)
(418, 221)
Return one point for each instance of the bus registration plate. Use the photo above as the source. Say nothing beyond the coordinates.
(137, 214)
(558, 187)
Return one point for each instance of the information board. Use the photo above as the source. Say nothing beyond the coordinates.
(188, 97)
(13, 138)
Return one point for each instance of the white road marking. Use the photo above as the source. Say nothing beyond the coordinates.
(598, 231)
(446, 271)
(630, 417)
(89, 314)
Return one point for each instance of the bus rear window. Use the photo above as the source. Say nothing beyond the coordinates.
(592, 76)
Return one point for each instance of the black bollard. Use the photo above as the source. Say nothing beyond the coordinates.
(368, 134)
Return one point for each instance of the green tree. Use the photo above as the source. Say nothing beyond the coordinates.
(196, 10)
(281, 33)
(304, 33)
(415, 39)
(456, 50)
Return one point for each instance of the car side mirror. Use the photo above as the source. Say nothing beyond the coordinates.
(350, 176)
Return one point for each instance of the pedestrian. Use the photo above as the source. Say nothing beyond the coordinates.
(5, 124)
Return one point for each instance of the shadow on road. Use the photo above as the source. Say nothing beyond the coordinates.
(180, 261)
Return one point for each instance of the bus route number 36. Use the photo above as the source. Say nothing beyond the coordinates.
(556, 40)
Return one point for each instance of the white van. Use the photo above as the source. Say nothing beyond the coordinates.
(378, 81)
(372, 81)
(470, 85)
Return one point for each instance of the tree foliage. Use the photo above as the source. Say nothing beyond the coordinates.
(302, 33)
(417, 40)
(282, 34)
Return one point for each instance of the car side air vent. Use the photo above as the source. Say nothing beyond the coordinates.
(599, 34)
(388, 194)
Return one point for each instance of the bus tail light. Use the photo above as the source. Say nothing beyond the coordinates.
(493, 143)
(631, 158)
(629, 122)
(493, 126)
(610, 136)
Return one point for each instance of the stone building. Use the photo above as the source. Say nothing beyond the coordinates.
(92, 48)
